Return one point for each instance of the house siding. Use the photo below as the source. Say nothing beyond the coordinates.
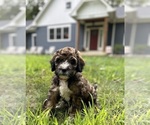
(4, 40)
(142, 33)
(141, 39)
(128, 28)
(42, 38)
(81, 42)
(20, 38)
(109, 36)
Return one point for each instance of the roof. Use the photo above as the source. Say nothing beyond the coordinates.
(143, 12)
(28, 22)
(15, 21)
(120, 12)
(4, 22)
(74, 12)
(39, 15)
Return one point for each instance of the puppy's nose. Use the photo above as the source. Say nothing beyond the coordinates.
(63, 70)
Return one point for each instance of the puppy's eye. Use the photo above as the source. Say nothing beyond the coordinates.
(73, 61)
(58, 60)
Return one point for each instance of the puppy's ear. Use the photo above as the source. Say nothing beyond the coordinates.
(52, 62)
(80, 63)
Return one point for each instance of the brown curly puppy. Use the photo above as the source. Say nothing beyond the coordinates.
(68, 84)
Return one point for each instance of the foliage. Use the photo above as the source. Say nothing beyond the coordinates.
(10, 8)
(118, 49)
(32, 8)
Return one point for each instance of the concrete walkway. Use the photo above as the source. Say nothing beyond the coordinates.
(93, 53)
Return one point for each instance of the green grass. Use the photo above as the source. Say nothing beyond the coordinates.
(114, 75)
(108, 72)
(12, 90)
(137, 90)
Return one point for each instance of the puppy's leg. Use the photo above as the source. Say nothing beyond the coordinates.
(76, 105)
(53, 98)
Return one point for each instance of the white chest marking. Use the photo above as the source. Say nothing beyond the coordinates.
(65, 92)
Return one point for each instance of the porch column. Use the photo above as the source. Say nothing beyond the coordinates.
(113, 36)
(77, 35)
(105, 34)
(132, 37)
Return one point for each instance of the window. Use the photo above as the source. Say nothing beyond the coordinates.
(59, 33)
(68, 5)
(66, 33)
(51, 34)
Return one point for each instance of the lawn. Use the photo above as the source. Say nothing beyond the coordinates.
(112, 74)
(107, 72)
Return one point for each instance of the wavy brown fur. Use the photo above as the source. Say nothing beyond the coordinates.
(81, 90)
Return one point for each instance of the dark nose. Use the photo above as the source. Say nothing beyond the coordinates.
(63, 70)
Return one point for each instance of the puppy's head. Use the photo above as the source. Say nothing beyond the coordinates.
(66, 62)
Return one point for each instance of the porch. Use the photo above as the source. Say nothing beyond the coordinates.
(92, 19)
(92, 34)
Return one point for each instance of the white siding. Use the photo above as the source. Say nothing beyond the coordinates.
(57, 13)
(92, 9)
(22, 21)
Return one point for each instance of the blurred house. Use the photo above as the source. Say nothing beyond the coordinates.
(137, 29)
(88, 25)
(12, 34)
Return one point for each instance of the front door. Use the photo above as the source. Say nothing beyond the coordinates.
(93, 39)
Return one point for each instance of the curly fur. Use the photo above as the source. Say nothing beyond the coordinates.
(68, 84)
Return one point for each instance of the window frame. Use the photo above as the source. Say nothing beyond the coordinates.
(62, 33)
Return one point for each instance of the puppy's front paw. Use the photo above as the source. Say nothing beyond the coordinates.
(44, 106)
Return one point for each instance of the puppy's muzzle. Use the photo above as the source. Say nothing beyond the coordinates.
(63, 70)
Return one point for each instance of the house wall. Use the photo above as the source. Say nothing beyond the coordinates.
(20, 39)
(42, 38)
(81, 42)
(4, 40)
(56, 13)
(141, 39)
(109, 35)
(142, 33)
(128, 27)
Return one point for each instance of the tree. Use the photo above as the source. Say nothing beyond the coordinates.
(32, 8)
(9, 9)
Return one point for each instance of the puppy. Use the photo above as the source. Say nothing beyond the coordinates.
(68, 84)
